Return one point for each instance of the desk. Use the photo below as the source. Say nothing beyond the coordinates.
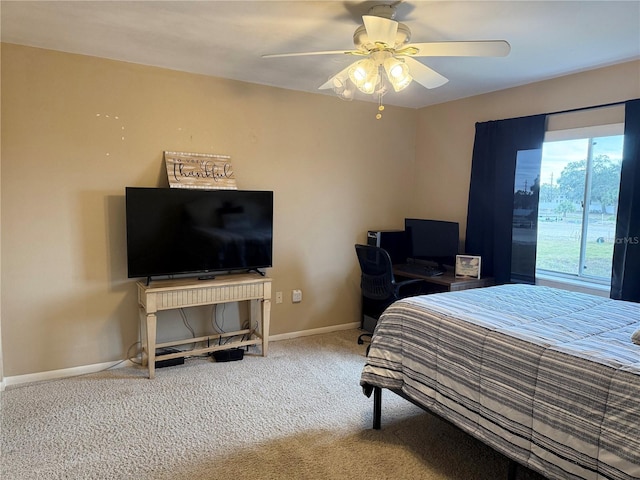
(175, 294)
(447, 282)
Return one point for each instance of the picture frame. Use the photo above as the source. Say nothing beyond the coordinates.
(468, 266)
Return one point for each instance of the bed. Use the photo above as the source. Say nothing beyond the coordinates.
(550, 378)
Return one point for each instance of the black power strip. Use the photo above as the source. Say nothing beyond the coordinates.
(171, 362)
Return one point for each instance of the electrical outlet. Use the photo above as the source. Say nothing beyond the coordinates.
(296, 296)
(278, 297)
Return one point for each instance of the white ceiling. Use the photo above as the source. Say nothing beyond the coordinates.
(227, 38)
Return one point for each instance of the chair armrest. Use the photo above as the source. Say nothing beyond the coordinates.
(404, 283)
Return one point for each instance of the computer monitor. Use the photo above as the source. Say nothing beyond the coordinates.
(432, 240)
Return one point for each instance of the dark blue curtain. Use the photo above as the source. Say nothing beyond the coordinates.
(625, 274)
(491, 192)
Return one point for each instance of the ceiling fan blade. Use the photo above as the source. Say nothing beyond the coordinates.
(342, 74)
(424, 75)
(491, 48)
(325, 52)
(380, 30)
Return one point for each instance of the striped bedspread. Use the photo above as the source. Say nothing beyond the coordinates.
(548, 377)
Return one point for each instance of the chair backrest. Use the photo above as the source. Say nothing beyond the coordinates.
(377, 281)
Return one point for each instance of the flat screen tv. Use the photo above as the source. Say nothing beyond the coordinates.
(432, 240)
(172, 231)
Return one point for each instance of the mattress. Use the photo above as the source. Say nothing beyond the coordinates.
(548, 377)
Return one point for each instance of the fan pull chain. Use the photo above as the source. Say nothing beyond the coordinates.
(380, 108)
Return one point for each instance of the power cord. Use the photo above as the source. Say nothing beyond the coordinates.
(217, 326)
(186, 324)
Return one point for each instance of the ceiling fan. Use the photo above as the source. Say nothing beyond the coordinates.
(384, 48)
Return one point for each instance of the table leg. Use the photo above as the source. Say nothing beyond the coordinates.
(266, 317)
(151, 343)
(144, 357)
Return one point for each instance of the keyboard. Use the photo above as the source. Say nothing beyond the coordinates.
(418, 269)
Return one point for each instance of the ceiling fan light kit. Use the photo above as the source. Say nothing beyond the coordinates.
(390, 60)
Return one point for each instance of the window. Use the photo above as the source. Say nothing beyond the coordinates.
(579, 182)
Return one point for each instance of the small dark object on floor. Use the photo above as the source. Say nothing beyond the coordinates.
(170, 362)
(230, 355)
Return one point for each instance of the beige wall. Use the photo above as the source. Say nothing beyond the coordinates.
(444, 143)
(335, 171)
(66, 299)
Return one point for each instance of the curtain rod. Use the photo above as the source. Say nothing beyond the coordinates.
(604, 105)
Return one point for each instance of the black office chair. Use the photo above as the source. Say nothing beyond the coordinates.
(378, 282)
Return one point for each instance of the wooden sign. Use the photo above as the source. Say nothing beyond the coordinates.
(199, 170)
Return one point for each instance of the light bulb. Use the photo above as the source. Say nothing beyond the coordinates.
(347, 94)
(360, 74)
(396, 71)
(369, 86)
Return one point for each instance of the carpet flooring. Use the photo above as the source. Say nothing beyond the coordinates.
(298, 413)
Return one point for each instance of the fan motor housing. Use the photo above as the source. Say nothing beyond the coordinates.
(361, 39)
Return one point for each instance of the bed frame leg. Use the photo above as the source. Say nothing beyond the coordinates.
(377, 407)
(513, 470)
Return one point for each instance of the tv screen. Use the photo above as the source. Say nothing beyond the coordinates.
(432, 240)
(174, 231)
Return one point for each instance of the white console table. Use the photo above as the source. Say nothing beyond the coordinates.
(175, 294)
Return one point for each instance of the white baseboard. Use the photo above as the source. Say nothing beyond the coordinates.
(314, 331)
(98, 367)
(64, 373)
